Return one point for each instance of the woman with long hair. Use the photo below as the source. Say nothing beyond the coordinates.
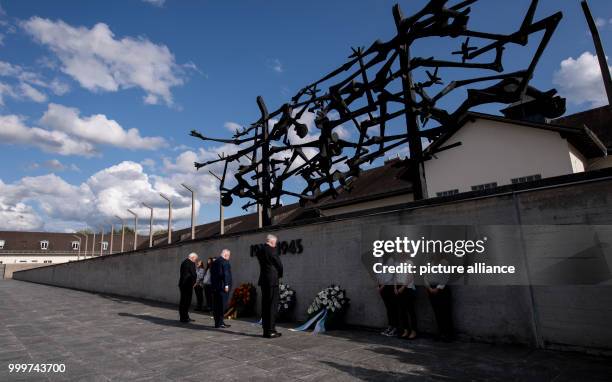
(199, 287)
(206, 282)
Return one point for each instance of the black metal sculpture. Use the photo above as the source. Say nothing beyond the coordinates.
(375, 86)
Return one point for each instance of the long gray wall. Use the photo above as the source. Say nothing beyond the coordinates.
(576, 317)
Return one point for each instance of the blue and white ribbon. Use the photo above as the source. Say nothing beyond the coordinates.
(318, 320)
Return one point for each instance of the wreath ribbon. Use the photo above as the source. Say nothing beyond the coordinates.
(318, 320)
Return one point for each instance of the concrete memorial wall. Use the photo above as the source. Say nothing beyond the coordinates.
(332, 251)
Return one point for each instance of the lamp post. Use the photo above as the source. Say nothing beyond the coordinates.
(135, 227)
(79, 253)
(192, 209)
(110, 249)
(101, 240)
(150, 224)
(122, 231)
(86, 240)
(93, 245)
(169, 217)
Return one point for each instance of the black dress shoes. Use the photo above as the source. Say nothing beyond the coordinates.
(272, 335)
(223, 326)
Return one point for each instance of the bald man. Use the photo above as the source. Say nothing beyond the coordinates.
(187, 281)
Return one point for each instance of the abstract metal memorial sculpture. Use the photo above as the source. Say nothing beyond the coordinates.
(373, 88)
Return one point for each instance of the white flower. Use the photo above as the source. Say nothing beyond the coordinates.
(286, 306)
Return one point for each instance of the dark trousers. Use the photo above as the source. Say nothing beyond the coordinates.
(208, 295)
(219, 302)
(441, 302)
(406, 311)
(199, 292)
(269, 307)
(185, 302)
(390, 300)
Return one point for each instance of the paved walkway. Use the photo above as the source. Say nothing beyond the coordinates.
(102, 338)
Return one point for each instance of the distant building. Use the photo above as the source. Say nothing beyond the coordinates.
(53, 247)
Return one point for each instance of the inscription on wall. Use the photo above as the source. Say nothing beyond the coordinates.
(292, 247)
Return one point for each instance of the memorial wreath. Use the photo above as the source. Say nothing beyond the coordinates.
(242, 303)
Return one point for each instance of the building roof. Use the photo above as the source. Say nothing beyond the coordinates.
(581, 137)
(598, 120)
(388, 180)
(59, 243)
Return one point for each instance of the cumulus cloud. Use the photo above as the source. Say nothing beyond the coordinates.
(99, 61)
(108, 192)
(13, 130)
(579, 80)
(97, 129)
(27, 85)
(64, 131)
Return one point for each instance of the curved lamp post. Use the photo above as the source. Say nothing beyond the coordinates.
(135, 227)
(169, 217)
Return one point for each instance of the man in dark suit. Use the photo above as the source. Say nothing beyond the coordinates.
(221, 284)
(270, 271)
(187, 281)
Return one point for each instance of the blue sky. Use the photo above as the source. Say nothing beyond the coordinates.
(86, 72)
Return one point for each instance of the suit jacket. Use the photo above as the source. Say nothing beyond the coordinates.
(188, 274)
(220, 274)
(270, 266)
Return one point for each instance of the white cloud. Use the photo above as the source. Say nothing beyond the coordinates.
(97, 129)
(232, 126)
(108, 192)
(13, 130)
(275, 64)
(100, 62)
(580, 81)
(157, 3)
(27, 84)
(30, 92)
(53, 165)
(19, 217)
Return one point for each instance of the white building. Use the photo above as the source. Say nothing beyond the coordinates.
(486, 151)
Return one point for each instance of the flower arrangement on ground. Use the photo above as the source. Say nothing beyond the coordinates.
(327, 309)
(286, 303)
(242, 303)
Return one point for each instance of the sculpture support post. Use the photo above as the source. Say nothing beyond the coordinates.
(417, 168)
(266, 202)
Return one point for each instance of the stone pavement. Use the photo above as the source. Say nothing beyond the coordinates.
(102, 338)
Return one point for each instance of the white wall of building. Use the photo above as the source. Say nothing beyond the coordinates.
(37, 259)
(493, 151)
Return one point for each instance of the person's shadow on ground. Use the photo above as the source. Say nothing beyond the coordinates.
(178, 324)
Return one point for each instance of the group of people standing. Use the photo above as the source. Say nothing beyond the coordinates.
(399, 293)
(214, 281)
